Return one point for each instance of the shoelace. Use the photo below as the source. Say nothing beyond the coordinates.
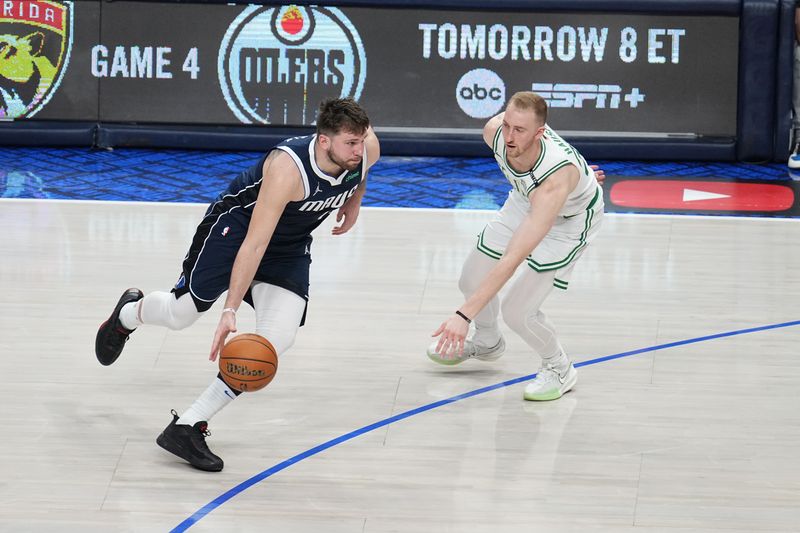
(202, 442)
(548, 373)
(122, 332)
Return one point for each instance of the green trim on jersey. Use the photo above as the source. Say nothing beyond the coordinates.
(494, 254)
(560, 284)
(539, 159)
(555, 265)
(538, 181)
(496, 137)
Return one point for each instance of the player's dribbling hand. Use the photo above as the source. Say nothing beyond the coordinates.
(227, 324)
(599, 174)
(451, 334)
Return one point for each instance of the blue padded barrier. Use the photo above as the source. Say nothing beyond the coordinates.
(257, 138)
(261, 138)
(47, 133)
(756, 109)
(722, 149)
(784, 81)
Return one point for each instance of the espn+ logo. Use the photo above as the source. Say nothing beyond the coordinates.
(481, 93)
(575, 95)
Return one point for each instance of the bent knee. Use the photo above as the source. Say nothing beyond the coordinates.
(178, 322)
(512, 316)
(281, 340)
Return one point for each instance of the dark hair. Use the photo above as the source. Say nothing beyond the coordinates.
(337, 114)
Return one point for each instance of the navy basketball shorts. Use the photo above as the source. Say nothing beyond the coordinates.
(208, 264)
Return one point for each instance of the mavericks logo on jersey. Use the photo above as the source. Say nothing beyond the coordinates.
(332, 202)
(276, 63)
(35, 44)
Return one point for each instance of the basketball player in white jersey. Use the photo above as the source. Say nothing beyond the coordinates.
(552, 213)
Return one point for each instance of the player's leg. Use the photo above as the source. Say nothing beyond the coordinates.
(278, 316)
(521, 309)
(161, 309)
(794, 156)
(486, 343)
(206, 271)
(134, 309)
(474, 271)
(279, 313)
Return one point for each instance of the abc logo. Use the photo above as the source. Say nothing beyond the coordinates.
(481, 93)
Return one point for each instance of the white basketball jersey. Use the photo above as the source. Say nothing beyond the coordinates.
(555, 154)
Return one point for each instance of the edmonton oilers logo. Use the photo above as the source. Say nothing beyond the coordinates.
(276, 64)
(35, 44)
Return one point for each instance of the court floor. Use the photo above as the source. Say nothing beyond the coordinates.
(685, 416)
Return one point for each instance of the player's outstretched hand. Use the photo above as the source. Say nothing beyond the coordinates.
(227, 325)
(451, 335)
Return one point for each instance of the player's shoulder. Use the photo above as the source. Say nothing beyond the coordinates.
(373, 147)
(280, 161)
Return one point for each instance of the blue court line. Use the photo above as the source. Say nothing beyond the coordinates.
(241, 487)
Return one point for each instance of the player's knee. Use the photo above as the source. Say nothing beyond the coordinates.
(519, 318)
(281, 338)
(177, 323)
(512, 315)
(181, 313)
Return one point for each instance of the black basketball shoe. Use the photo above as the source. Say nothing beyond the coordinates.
(189, 443)
(111, 336)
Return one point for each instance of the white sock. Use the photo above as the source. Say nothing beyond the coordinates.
(559, 361)
(213, 399)
(129, 315)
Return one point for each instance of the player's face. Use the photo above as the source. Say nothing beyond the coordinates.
(522, 128)
(346, 149)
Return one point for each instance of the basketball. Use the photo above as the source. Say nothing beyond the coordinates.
(248, 362)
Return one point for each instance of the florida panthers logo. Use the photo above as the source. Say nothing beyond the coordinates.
(35, 43)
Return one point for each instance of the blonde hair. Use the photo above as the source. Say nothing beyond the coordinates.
(526, 100)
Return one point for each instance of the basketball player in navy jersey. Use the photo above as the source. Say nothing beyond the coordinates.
(255, 243)
(553, 211)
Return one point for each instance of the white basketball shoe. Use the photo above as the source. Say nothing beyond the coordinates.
(551, 383)
(471, 351)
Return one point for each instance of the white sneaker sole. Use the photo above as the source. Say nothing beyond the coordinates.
(553, 394)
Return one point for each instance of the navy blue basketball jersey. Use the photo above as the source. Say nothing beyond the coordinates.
(323, 194)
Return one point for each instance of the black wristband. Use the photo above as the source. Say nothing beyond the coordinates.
(465, 317)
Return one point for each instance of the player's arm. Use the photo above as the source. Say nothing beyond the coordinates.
(490, 129)
(546, 203)
(281, 183)
(347, 215)
(373, 147)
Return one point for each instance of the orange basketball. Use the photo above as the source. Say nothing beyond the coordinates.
(248, 362)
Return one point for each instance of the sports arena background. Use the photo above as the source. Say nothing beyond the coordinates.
(675, 79)
(691, 84)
